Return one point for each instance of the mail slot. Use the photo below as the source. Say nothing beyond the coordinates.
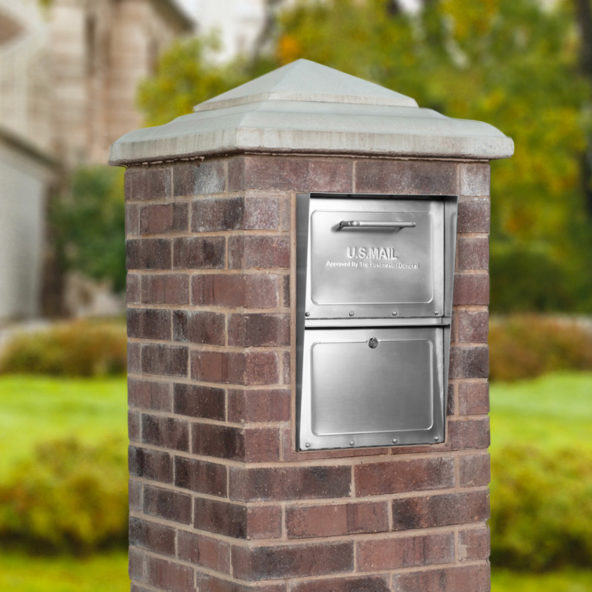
(374, 302)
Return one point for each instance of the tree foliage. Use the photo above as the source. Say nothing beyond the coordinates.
(512, 63)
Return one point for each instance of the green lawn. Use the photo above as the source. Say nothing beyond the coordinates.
(562, 581)
(550, 411)
(100, 573)
(34, 408)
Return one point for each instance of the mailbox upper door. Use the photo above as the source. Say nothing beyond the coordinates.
(375, 257)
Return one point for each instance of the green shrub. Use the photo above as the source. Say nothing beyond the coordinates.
(80, 348)
(87, 224)
(525, 346)
(541, 508)
(69, 497)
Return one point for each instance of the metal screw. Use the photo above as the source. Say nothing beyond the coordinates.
(373, 343)
(394, 313)
(307, 314)
(351, 313)
(307, 444)
(351, 442)
(395, 440)
(436, 312)
(436, 438)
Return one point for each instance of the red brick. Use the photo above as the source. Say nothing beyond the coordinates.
(474, 470)
(290, 173)
(220, 517)
(237, 290)
(143, 183)
(132, 220)
(133, 425)
(170, 576)
(166, 360)
(135, 495)
(217, 441)
(165, 432)
(132, 289)
(473, 398)
(148, 253)
(262, 444)
(406, 177)
(259, 405)
(199, 327)
(440, 510)
(265, 563)
(474, 214)
(211, 215)
(152, 536)
(200, 476)
(471, 288)
(149, 395)
(469, 361)
(199, 253)
(472, 253)
(209, 583)
(335, 520)
(258, 252)
(199, 401)
(199, 177)
(203, 551)
(165, 289)
(150, 464)
(474, 544)
(403, 552)
(359, 584)
(241, 368)
(148, 324)
(474, 179)
(264, 522)
(472, 326)
(470, 433)
(136, 564)
(252, 330)
(266, 213)
(134, 358)
(290, 483)
(401, 475)
(473, 578)
(167, 504)
(164, 218)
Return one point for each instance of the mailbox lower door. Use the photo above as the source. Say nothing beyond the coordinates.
(372, 387)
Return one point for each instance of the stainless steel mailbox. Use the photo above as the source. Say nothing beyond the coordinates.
(374, 302)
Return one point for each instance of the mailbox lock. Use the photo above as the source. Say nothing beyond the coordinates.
(373, 343)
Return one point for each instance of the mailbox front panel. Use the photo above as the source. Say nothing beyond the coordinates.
(375, 258)
(371, 387)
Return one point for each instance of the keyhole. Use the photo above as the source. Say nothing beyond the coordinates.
(373, 342)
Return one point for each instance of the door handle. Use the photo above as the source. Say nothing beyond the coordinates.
(363, 225)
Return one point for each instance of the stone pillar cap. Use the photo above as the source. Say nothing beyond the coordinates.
(305, 107)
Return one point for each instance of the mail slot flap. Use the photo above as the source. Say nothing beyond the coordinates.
(375, 258)
(372, 387)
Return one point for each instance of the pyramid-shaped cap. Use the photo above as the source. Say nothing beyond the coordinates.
(306, 81)
(307, 107)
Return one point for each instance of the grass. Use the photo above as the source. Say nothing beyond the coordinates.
(551, 411)
(100, 573)
(36, 408)
(560, 581)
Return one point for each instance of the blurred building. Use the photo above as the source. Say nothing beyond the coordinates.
(68, 76)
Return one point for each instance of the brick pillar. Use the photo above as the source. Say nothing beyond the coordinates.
(220, 499)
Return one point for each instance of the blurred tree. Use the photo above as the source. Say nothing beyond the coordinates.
(512, 63)
(87, 223)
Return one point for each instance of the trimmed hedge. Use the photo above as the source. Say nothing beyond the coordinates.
(69, 497)
(525, 346)
(78, 348)
(541, 508)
